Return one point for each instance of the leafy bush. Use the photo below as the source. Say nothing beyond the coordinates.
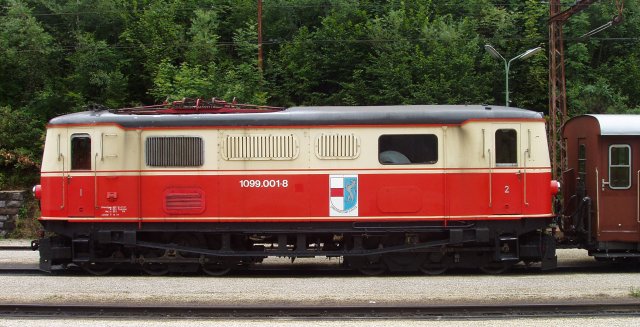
(21, 138)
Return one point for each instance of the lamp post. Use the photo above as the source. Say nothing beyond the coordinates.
(494, 53)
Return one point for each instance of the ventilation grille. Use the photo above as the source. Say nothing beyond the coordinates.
(260, 147)
(174, 151)
(337, 146)
(184, 201)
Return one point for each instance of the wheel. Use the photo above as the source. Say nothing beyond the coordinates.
(433, 268)
(372, 268)
(155, 268)
(215, 267)
(190, 240)
(436, 263)
(495, 267)
(98, 268)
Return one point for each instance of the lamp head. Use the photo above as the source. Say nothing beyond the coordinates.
(493, 52)
(529, 53)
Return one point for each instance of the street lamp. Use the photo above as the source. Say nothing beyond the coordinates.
(494, 53)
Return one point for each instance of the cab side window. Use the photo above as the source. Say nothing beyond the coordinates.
(506, 147)
(80, 152)
(408, 149)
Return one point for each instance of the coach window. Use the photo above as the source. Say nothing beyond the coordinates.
(408, 149)
(506, 147)
(80, 152)
(582, 162)
(619, 166)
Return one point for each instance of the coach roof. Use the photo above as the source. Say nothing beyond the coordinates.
(618, 124)
(356, 115)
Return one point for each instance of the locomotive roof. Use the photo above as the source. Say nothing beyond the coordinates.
(330, 115)
(618, 124)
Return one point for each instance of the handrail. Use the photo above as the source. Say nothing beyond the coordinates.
(444, 182)
(64, 181)
(95, 181)
(526, 203)
(483, 143)
(140, 151)
(490, 180)
(101, 147)
(598, 202)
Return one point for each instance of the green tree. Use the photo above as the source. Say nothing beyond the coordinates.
(20, 147)
(96, 72)
(27, 55)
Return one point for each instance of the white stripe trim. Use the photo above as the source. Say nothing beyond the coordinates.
(310, 219)
(299, 172)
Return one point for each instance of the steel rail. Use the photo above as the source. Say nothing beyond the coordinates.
(360, 312)
(22, 271)
(15, 248)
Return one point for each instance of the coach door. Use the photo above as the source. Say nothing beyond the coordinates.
(506, 176)
(80, 176)
(618, 202)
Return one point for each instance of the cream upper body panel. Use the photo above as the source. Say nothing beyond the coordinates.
(467, 146)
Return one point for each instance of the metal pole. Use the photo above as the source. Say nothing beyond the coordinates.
(506, 81)
(260, 35)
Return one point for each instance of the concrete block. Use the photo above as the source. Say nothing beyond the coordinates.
(9, 211)
(4, 218)
(18, 195)
(3, 203)
(14, 204)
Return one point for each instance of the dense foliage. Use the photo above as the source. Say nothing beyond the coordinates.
(56, 56)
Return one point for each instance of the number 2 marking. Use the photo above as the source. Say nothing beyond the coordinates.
(506, 189)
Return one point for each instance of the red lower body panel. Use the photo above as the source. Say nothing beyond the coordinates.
(297, 197)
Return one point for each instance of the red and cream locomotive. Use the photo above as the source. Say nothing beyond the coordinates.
(213, 186)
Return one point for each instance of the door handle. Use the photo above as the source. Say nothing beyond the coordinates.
(604, 183)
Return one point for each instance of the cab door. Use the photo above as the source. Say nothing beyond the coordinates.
(505, 173)
(618, 203)
(81, 176)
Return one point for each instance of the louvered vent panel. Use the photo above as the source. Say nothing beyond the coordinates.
(337, 146)
(174, 151)
(260, 147)
(184, 201)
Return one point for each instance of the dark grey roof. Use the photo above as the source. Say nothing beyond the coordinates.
(304, 116)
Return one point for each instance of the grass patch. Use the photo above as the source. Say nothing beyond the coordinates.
(634, 291)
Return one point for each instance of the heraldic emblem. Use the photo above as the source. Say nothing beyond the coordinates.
(343, 195)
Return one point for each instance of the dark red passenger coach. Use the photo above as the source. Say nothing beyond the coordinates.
(602, 184)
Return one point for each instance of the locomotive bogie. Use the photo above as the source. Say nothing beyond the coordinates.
(439, 188)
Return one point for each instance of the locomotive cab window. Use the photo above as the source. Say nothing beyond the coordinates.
(80, 152)
(619, 166)
(506, 147)
(408, 149)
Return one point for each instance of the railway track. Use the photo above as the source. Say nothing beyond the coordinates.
(15, 248)
(21, 271)
(373, 312)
